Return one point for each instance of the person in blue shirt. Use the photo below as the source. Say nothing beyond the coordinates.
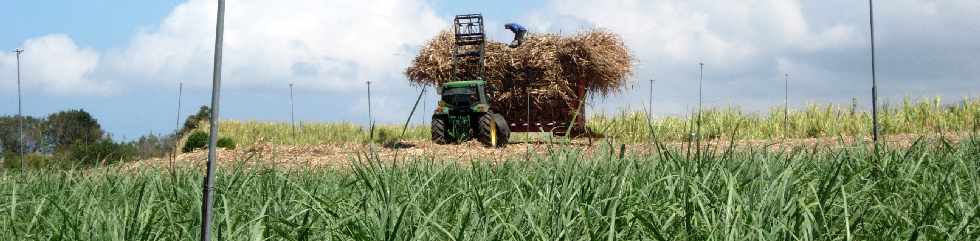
(519, 32)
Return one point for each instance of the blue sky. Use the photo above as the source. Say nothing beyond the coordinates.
(97, 23)
(122, 60)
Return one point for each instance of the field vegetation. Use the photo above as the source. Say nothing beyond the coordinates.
(928, 116)
(928, 191)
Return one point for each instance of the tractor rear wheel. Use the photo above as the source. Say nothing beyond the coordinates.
(440, 134)
(502, 125)
(493, 128)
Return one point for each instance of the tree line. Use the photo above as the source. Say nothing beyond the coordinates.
(74, 138)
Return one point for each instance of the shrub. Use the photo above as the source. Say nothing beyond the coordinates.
(387, 138)
(197, 140)
(101, 151)
(226, 142)
(36, 160)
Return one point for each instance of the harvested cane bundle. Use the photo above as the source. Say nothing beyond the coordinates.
(546, 66)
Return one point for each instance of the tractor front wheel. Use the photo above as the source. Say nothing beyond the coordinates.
(494, 131)
(440, 133)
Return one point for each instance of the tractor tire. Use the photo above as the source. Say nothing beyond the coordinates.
(502, 125)
(485, 134)
(440, 133)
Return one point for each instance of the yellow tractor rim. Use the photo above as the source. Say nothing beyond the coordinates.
(493, 134)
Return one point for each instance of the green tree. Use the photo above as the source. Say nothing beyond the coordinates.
(154, 145)
(70, 127)
(10, 134)
(192, 122)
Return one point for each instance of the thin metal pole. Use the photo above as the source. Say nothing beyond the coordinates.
(410, 114)
(786, 106)
(292, 110)
(700, 97)
(874, 79)
(650, 106)
(527, 123)
(650, 110)
(213, 138)
(700, 87)
(20, 114)
(370, 115)
(180, 90)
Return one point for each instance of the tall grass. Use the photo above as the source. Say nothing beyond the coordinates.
(926, 116)
(254, 132)
(926, 192)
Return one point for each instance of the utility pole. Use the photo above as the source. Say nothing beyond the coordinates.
(20, 114)
(208, 199)
(292, 110)
(874, 79)
(786, 106)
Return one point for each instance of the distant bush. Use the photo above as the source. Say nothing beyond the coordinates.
(102, 151)
(152, 145)
(12, 160)
(226, 142)
(385, 137)
(197, 140)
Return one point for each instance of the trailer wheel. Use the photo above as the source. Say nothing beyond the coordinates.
(493, 130)
(439, 132)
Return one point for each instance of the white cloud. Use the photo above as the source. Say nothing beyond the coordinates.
(53, 64)
(321, 45)
(719, 33)
(747, 46)
(333, 46)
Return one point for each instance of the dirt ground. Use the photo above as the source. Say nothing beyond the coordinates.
(340, 156)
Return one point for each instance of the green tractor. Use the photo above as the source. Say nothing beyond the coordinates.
(464, 111)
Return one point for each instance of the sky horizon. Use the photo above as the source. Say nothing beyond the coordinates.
(122, 60)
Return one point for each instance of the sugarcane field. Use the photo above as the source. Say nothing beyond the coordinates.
(499, 120)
